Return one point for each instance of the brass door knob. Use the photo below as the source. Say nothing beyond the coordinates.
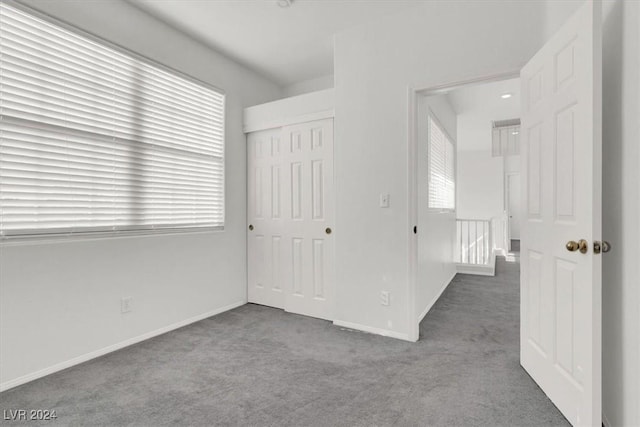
(603, 247)
(581, 245)
(250, 227)
(327, 230)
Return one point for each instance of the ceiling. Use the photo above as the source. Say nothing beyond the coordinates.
(288, 45)
(478, 105)
(485, 99)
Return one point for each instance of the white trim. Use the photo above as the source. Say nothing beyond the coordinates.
(84, 237)
(479, 269)
(446, 87)
(412, 211)
(294, 110)
(475, 269)
(286, 121)
(435, 299)
(109, 349)
(506, 200)
(373, 330)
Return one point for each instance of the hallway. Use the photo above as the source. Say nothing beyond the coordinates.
(260, 366)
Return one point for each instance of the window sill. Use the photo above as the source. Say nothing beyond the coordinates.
(441, 211)
(92, 236)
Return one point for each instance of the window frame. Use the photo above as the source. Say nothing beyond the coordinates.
(95, 233)
(431, 116)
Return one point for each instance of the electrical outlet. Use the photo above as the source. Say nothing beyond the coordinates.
(126, 304)
(385, 298)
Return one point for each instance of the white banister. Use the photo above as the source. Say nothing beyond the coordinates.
(474, 240)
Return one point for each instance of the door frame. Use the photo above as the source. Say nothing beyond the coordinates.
(413, 93)
(507, 201)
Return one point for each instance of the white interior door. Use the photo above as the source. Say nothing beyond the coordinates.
(308, 172)
(513, 200)
(290, 213)
(562, 190)
(265, 216)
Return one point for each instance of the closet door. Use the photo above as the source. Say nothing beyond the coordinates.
(307, 165)
(290, 217)
(265, 219)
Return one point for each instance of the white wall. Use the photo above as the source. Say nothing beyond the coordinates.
(432, 44)
(436, 230)
(480, 177)
(621, 205)
(621, 214)
(307, 86)
(60, 300)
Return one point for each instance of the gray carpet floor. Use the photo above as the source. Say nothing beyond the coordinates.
(258, 366)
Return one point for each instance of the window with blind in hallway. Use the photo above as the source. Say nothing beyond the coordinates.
(441, 161)
(94, 139)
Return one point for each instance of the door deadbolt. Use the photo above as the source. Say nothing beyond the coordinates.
(250, 227)
(581, 245)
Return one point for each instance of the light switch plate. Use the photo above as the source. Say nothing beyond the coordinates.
(126, 304)
(384, 200)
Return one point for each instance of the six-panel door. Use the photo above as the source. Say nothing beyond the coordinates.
(562, 185)
(291, 210)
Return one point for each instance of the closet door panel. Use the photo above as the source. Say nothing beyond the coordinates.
(308, 206)
(264, 219)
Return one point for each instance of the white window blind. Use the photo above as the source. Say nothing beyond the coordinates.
(441, 159)
(93, 139)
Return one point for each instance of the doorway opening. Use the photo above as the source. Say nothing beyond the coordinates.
(487, 174)
(467, 182)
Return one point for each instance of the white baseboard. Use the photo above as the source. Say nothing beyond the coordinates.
(435, 299)
(372, 330)
(479, 269)
(101, 352)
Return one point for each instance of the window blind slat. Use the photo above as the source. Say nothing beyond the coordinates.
(143, 129)
(96, 145)
(96, 140)
(128, 84)
(105, 114)
(50, 80)
(62, 51)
